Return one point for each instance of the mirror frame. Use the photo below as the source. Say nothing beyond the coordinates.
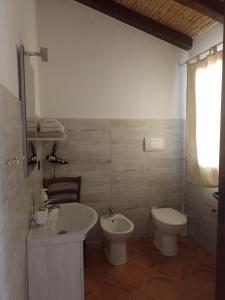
(23, 98)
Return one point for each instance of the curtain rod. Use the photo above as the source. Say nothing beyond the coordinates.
(196, 56)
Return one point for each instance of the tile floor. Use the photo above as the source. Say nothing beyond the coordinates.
(148, 275)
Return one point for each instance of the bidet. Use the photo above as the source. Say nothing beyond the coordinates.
(116, 229)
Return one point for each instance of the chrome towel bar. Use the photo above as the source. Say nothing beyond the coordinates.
(8, 162)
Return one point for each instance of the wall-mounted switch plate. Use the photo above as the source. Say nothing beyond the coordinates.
(154, 144)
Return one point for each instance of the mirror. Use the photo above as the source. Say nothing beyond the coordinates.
(29, 120)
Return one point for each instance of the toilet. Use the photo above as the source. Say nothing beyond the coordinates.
(116, 229)
(169, 223)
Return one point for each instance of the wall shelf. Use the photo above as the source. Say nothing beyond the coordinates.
(50, 139)
(56, 136)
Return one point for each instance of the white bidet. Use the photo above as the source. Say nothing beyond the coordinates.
(116, 229)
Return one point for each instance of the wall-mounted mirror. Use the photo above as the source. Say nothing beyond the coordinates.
(29, 120)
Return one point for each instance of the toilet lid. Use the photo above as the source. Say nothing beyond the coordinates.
(169, 216)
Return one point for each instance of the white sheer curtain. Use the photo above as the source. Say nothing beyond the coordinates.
(203, 120)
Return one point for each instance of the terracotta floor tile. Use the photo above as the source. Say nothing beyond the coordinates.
(146, 262)
(93, 281)
(140, 296)
(201, 282)
(112, 291)
(129, 276)
(148, 275)
(172, 267)
(163, 288)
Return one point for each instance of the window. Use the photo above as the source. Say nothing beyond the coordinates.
(208, 104)
(204, 86)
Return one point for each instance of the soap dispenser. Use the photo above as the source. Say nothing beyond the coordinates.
(44, 196)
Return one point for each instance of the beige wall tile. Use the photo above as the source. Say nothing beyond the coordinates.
(115, 170)
(199, 202)
(16, 197)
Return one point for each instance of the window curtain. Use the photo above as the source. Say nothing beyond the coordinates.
(204, 83)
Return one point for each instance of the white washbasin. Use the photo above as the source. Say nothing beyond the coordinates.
(72, 217)
(70, 222)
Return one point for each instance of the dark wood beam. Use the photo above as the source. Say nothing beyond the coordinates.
(140, 22)
(211, 8)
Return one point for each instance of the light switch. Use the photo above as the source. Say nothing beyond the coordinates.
(154, 144)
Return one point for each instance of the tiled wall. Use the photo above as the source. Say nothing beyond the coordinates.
(115, 170)
(16, 196)
(199, 202)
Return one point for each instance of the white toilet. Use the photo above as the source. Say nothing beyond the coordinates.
(116, 230)
(169, 223)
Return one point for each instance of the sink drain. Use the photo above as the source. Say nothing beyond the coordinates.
(62, 232)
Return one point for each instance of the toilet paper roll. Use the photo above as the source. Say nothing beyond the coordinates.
(41, 216)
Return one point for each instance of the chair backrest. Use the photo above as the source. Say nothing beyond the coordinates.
(63, 189)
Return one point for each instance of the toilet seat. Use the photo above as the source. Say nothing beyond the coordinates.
(169, 216)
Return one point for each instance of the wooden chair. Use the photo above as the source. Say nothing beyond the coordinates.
(63, 189)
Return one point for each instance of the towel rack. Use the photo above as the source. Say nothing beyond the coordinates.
(14, 158)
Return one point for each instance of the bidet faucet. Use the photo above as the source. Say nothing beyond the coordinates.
(113, 211)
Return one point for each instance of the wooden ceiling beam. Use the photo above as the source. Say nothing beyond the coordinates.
(211, 8)
(140, 22)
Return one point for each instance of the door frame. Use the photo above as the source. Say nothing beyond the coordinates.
(220, 261)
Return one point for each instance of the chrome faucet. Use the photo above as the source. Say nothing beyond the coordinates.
(50, 205)
(113, 211)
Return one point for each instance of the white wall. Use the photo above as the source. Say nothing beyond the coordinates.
(101, 68)
(17, 25)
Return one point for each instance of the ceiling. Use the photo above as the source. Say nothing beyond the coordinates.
(175, 21)
(170, 13)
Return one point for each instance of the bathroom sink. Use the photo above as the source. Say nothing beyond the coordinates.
(72, 217)
(70, 222)
(55, 250)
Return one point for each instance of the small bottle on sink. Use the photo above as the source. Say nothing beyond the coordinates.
(43, 195)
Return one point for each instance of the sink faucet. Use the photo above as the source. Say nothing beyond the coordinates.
(112, 211)
(50, 205)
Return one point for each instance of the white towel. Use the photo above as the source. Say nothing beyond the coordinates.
(51, 123)
(51, 129)
(49, 120)
(52, 135)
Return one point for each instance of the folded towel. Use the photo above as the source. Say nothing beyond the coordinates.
(53, 134)
(53, 129)
(49, 120)
(51, 123)
(51, 126)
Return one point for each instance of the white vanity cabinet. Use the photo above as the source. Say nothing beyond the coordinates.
(55, 266)
(55, 253)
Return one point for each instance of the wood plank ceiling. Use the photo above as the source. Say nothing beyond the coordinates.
(170, 13)
(175, 21)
